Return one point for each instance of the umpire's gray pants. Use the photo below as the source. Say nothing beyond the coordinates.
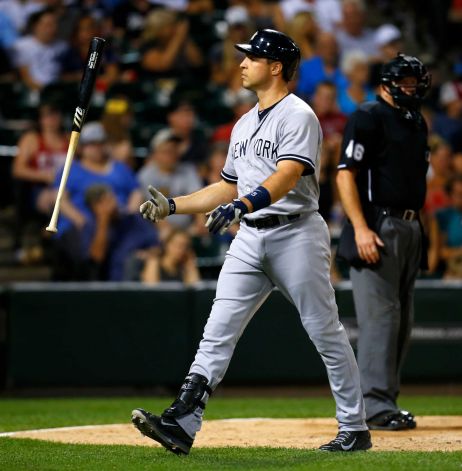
(295, 257)
(383, 298)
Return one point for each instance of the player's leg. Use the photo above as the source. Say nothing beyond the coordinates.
(378, 306)
(302, 272)
(241, 289)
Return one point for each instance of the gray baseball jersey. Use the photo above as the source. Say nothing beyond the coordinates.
(292, 255)
(289, 131)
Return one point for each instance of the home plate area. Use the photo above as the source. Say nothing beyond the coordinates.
(433, 433)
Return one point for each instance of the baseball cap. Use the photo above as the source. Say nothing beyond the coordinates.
(92, 132)
(236, 15)
(164, 135)
(386, 34)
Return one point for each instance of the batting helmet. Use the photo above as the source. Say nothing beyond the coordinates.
(406, 66)
(275, 46)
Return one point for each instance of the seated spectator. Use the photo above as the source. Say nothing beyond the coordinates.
(448, 124)
(19, 12)
(243, 101)
(356, 69)
(449, 223)
(389, 42)
(96, 167)
(302, 28)
(332, 123)
(182, 122)
(117, 120)
(327, 13)
(265, 14)
(103, 247)
(224, 58)
(41, 154)
(439, 174)
(129, 18)
(165, 171)
(176, 262)
(353, 34)
(73, 61)
(457, 163)
(166, 49)
(36, 56)
(323, 66)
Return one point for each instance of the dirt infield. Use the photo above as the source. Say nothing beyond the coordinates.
(434, 433)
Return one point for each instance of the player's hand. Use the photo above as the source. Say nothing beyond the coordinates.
(224, 216)
(156, 208)
(368, 243)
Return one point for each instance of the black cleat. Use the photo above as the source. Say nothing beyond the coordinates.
(165, 431)
(349, 441)
(402, 420)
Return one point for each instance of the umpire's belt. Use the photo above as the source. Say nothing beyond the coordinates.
(271, 221)
(405, 214)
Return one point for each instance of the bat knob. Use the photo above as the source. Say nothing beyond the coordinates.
(51, 229)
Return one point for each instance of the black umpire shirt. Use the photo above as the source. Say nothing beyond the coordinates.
(388, 147)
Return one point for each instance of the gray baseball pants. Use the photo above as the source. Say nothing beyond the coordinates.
(294, 257)
(383, 298)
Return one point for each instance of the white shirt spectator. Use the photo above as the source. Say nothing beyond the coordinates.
(41, 59)
(365, 43)
(19, 12)
(327, 13)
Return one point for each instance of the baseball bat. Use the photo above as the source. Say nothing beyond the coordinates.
(85, 90)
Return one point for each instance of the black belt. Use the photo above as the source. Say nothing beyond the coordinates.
(270, 221)
(405, 214)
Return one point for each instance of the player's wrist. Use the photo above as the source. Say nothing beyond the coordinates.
(259, 198)
(171, 206)
(242, 206)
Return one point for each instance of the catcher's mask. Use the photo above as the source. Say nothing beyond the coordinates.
(406, 66)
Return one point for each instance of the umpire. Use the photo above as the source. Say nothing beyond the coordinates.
(382, 185)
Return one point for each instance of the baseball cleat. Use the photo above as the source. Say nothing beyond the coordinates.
(402, 420)
(165, 431)
(349, 441)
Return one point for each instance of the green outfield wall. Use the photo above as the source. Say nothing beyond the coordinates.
(55, 335)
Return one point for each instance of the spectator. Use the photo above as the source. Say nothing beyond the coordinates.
(439, 175)
(166, 49)
(449, 123)
(332, 124)
(129, 18)
(224, 57)
(265, 14)
(124, 231)
(117, 120)
(457, 163)
(37, 55)
(353, 34)
(327, 13)
(356, 69)
(176, 262)
(19, 11)
(183, 123)
(389, 42)
(449, 224)
(103, 248)
(244, 101)
(41, 154)
(323, 66)
(165, 171)
(303, 29)
(74, 59)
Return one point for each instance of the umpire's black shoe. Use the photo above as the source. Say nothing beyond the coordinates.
(349, 441)
(402, 420)
(165, 431)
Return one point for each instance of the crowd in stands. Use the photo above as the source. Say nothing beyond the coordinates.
(165, 102)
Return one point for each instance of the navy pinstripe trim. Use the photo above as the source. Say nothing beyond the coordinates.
(297, 158)
(228, 177)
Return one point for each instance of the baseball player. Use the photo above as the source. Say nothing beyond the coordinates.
(270, 185)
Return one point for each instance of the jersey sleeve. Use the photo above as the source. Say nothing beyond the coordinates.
(229, 173)
(300, 141)
(358, 140)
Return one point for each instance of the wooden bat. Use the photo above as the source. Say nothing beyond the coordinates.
(86, 88)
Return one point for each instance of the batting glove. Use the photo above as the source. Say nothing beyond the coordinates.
(158, 207)
(224, 216)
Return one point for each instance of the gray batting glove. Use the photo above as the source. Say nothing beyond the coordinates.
(158, 207)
